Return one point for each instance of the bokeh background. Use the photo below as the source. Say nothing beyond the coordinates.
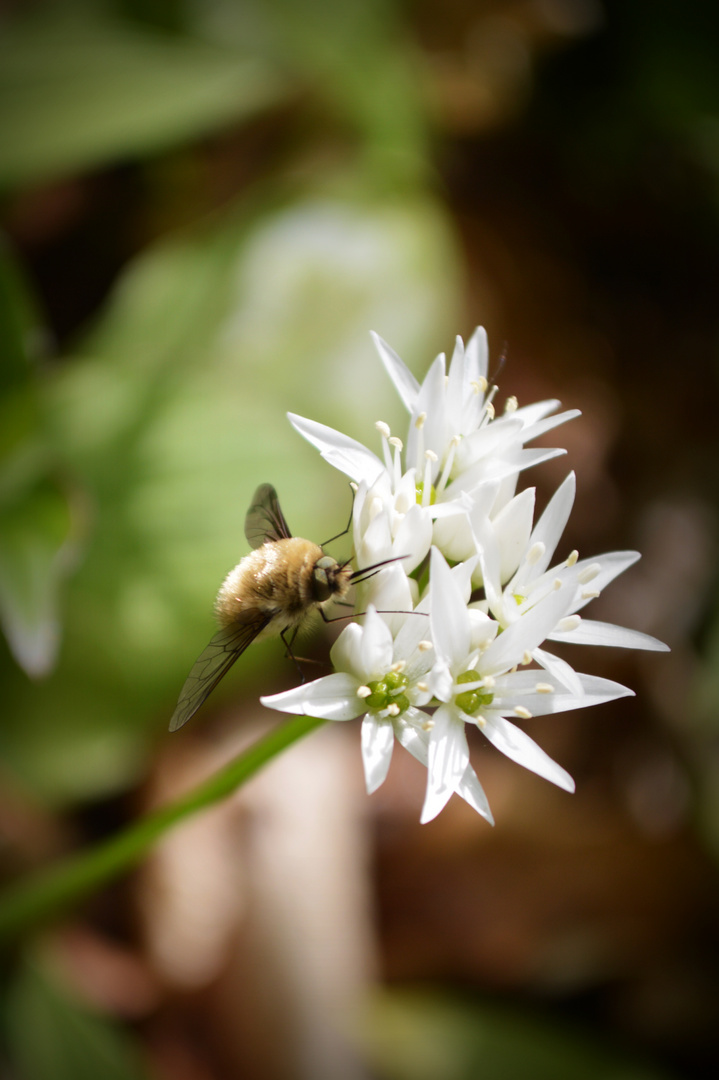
(207, 206)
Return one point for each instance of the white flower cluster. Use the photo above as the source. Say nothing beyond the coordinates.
(426, 660)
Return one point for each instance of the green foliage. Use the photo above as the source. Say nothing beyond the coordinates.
(78, 88)
(51, 1036)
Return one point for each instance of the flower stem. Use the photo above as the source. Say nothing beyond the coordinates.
(44, 895)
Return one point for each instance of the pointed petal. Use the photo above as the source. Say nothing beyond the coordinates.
(404, 381)
(448, 754)
(344, 453)
(512, 527)
(548, 530)
(611, 565)
(377, 744)
(412, 736)
(590, 632)
(448, 617)
(377, 646)
(558, 670)
(526, 634)
(333, 697)
(533, 431)
(472, 792)
(518, 746)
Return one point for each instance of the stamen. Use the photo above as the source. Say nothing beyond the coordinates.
(428, 725)
(570, 622)
(400, 665)
(419, 422)
(591, 594)
(393, 710)
(544, 688)
(511, 404)
(397, 444)
(572, 557)
(557, 583)
(363, 691)
(526, 658)
(535, 553)
(525, 714)
(385, 432)
(588, 573)
(430, 458)
(423, 687)
(489, 682)
(355, 487)
(489, 410)
(425, 646)
(479, 385)
(454, 443)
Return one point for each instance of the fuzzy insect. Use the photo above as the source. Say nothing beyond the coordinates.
(271, 591)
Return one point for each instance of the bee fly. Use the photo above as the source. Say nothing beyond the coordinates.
(270, 591)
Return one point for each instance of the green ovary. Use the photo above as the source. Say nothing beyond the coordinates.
(471, 701)
(419, 493)
(388, 691)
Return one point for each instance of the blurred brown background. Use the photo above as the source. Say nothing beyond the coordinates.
(207, 207)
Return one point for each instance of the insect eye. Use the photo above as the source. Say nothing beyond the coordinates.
(321, 583)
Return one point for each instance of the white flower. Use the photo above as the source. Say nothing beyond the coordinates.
(578, 580)
(455, 444)
(452, 416)
(375, 676)
(478, 683)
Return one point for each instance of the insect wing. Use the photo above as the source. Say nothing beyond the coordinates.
(212, 665)
(265, 520)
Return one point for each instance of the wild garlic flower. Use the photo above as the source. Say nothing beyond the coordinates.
(427, 660)
(376, 676)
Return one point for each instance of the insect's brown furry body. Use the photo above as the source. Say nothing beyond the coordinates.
(278, 580)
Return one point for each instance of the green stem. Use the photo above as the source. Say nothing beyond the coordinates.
(44, 895)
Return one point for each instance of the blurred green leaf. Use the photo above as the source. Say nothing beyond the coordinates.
(34, 512)
(77, 90)
(33, 535)
(53, 1037)
(420, 1035)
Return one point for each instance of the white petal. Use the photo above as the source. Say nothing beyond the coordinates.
(448, 617)
(518, 746)
(412, 736)
(593, 690)
(590, 632)
(405, 383)
(512, 528)
(611, 566)
(333, 697)
(376, 655)
(548, 530)
(526, 634)
(346, 653)
(413, 538)
(530, 414)
(431, 401)
(472, 792)
(377, 744)
(346, 454)
(559, 670)
(448, 759)
(533, 431)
